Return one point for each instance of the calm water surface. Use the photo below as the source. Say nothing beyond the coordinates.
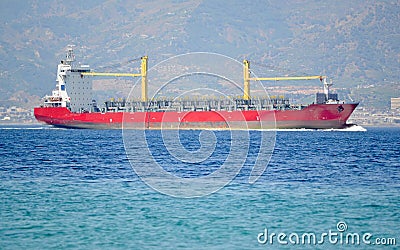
(64, 189)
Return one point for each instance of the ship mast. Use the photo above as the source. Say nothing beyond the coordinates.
(70, 58)
(326, 88)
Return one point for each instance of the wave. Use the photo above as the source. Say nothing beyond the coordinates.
(27, 127)
(352, 128)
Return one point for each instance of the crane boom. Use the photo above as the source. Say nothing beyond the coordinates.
(109, 74)
(143, 74)
(284, 78)
(247, 79)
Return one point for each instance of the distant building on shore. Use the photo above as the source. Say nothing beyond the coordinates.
(395, 103)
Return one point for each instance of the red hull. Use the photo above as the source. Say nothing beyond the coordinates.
(314, 116)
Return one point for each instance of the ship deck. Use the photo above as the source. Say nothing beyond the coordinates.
(209, 104)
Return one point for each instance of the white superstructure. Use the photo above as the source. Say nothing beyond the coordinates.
(79, 95)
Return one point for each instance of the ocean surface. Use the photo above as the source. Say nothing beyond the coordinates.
(76, 189)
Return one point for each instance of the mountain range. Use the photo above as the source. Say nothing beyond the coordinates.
(356, 43)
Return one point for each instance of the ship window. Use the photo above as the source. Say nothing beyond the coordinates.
(63, 87)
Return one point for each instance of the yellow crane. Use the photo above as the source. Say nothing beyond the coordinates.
(143, 74)
(247, 79)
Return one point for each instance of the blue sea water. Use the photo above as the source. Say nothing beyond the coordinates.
(76, 189)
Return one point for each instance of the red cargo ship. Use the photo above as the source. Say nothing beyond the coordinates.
(76, 109)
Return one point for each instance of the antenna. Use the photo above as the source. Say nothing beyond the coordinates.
(70, 57)
(326, 88)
